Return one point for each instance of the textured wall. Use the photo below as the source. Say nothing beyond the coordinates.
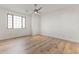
(9, 33)
(61, 23)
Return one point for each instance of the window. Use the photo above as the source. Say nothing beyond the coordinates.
(23, 22)
(16, 21)
(9, 21)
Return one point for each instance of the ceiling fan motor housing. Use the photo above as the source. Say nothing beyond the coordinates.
(36, 10)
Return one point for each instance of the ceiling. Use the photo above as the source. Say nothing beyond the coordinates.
(27, 8)
(22, 8)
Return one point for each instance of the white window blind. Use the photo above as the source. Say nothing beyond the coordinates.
(9, 21)
(23, 22)
(16, 21)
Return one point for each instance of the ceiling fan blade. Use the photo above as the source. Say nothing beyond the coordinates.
(40, 8)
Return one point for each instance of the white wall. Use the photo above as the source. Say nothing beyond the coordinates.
(10, 33)
(35, 24)
(61, 23)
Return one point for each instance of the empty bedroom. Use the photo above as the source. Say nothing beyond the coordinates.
(39, 28)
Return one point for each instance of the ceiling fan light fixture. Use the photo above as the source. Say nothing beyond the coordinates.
(37, 13)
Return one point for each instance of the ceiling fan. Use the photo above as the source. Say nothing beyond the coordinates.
(35, 10)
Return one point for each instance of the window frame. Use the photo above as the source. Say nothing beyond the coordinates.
(13, 21)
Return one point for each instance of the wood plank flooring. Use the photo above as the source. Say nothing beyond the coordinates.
(38, 44)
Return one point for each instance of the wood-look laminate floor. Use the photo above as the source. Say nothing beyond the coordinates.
(38, 44)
